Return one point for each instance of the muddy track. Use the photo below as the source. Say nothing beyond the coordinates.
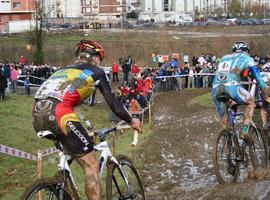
(177, 158)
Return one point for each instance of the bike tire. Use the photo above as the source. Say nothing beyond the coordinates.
(115, 180)
(229, 138)
(259, 150)
(42, 185)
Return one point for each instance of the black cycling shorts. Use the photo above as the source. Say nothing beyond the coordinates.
(74, 139)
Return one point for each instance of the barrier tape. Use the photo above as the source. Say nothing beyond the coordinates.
(31, 84)
(17, 153)
(21, 154)
(194, 75)
(48, 151)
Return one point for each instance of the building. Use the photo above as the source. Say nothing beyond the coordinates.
(88, 9)
(104, 9)
(62, 8)
(188, 6)
(14, 10)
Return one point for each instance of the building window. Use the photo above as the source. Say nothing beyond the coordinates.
(16, 4)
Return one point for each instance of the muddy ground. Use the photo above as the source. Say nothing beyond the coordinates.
(177, 158)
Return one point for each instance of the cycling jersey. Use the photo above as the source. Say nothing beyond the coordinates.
(74, 84)
(65, 89)
(230, 68)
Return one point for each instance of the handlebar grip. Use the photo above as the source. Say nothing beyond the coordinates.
(135, 138)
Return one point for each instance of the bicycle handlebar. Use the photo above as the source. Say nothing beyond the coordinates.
(102, 133)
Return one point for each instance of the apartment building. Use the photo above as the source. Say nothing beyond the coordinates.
(188, 6)
(12, 10)
(104, 9)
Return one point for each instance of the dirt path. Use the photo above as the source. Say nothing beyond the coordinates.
(177, 159)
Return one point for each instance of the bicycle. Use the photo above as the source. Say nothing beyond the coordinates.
(230, 151)
(123, 180)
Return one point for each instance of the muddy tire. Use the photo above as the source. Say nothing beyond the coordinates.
(225, 154)
(47, 189)
(259, 150)
(116, 188)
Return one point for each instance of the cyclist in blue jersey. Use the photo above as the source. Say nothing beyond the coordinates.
(227, 82)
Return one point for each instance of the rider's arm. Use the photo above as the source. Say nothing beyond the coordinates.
(116, 106)
(256, 74)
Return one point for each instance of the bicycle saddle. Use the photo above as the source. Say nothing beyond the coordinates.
(46, 134)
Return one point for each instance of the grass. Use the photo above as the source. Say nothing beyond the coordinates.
(202, 100)
(16, 131)
(59, 48)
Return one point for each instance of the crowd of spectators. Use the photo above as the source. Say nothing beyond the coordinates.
(177, 74)
(136, 94)
(14, 74)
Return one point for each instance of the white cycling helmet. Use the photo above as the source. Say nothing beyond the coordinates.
(241, 47)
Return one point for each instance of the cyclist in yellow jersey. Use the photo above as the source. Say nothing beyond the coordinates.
(64, 90)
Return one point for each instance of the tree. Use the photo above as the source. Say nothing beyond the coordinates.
(38, 55)
(234, 7)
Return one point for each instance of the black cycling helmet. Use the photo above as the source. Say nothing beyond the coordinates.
(241, 47)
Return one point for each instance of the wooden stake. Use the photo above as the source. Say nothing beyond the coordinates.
(113, 143)
(150, 117)
(39, 155)
(39, 164)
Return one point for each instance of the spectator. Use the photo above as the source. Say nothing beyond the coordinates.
(194, 61)
(201, 60)
(205, 70)
(3, 83)
(13, 78)
(126, 70)
(142, 100)
(267, 64)
(7, 75)
(185, 73)
(115, 71)
(135, 69)
(26, 83)
(185, 58)
(191, 76)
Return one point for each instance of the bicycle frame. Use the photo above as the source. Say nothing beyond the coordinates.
(103, 147)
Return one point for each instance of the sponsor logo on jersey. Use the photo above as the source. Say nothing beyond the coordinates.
(78, 134)
(85, 74)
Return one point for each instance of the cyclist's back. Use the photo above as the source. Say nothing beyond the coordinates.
(230, 68)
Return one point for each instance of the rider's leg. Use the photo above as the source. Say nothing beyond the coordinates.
(241, 95)
(221, 107)
(90, 165)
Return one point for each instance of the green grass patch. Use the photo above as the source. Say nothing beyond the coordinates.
(17, 131)
(202, 100)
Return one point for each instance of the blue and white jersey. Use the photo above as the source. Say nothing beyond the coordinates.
(230, 68)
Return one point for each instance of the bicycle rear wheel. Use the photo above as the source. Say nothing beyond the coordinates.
(45, 189)
(123, 180)
(258, 151)
(225, 156)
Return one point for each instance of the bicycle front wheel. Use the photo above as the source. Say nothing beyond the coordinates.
(226, 165)
(45, 189)
(123, 180)
(258, 151)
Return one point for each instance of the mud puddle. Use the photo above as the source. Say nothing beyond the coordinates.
(178, 158)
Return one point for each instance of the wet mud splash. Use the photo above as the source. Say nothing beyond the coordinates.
(177, 159)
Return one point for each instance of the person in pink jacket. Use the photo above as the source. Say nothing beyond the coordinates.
(13, 78)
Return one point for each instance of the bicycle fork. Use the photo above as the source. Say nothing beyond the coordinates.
(123, 175)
